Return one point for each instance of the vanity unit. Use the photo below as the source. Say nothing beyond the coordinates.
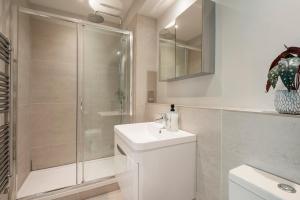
(166, 162)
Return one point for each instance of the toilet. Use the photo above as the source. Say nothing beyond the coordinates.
(247, 183)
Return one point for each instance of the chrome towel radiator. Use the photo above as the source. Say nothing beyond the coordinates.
(5, 136)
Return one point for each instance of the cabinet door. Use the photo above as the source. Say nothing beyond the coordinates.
(187, 44)
(189, 39)
(181, 61)
(167, 52)
(127, 170)
(166, 60)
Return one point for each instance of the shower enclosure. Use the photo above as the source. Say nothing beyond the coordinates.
(74, 85)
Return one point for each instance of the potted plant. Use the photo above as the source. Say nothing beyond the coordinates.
(287, 67)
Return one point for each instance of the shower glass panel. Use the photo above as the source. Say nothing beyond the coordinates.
(47, 104)
(105, 98)
(74, 85)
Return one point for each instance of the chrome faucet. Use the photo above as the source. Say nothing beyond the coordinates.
(163, 120)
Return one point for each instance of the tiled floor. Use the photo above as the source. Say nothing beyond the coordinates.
(109, 196)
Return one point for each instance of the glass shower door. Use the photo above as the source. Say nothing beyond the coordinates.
(105, 98)
(46, 111)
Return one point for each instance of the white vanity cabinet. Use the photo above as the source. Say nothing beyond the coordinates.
(166, 162)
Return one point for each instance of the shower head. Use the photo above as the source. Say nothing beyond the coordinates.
(95, 18)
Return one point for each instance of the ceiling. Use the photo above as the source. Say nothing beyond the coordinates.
(155, 8)
(150, 8)
(81, 7)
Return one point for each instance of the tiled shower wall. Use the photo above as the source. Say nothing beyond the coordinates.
(48, 91)
(144, 60)
(23, 103)
(101, 86)
(227, 139)
(53, 74)
(5, 17)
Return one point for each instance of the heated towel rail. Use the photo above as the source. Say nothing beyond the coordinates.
(5, 54)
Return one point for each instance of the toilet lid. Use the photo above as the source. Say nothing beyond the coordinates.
(263, 184)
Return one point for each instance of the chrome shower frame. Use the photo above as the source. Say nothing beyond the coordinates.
(80, 23)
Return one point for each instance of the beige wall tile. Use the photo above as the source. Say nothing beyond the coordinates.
(23, 168)
(53, 93)
(5, 21)
(152, 111)
(23, 157)
(24, 82)
(53, 155)
(23, 144)
(151, 86)
(48, 89)
(53, 124)
(53, 82)
(145, 59)
(24, 37)
(102, 82)
(53, 40)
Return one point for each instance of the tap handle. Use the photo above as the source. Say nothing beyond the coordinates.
(163, 116)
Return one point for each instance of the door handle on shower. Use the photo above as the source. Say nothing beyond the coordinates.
(81, 105)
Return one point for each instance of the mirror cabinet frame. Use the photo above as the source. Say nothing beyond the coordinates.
(207, 43)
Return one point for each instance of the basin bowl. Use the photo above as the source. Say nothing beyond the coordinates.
(151, 135)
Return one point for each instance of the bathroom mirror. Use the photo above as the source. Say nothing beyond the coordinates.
(187, 45)
(167, 52)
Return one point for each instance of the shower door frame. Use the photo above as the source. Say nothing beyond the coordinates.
(80, 91)
(79, 108)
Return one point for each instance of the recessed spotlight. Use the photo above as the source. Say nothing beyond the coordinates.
(172, 23)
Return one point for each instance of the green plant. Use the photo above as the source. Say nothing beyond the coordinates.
(287, 67)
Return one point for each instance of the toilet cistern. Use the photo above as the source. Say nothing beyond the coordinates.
(248, 183)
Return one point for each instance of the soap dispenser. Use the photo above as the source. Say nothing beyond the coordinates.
(172, 119)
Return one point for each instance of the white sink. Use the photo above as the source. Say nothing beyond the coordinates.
(162, 164)
(146, 136)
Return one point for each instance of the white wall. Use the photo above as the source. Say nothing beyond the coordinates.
(249, 35)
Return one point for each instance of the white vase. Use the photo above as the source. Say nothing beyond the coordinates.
(287, 102)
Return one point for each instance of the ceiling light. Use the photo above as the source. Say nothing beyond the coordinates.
(171, 24)
(94, 4)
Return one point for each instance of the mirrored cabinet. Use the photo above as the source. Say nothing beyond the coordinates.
(187, 44)
(167, 53)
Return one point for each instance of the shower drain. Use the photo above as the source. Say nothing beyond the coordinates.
(286, 188)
